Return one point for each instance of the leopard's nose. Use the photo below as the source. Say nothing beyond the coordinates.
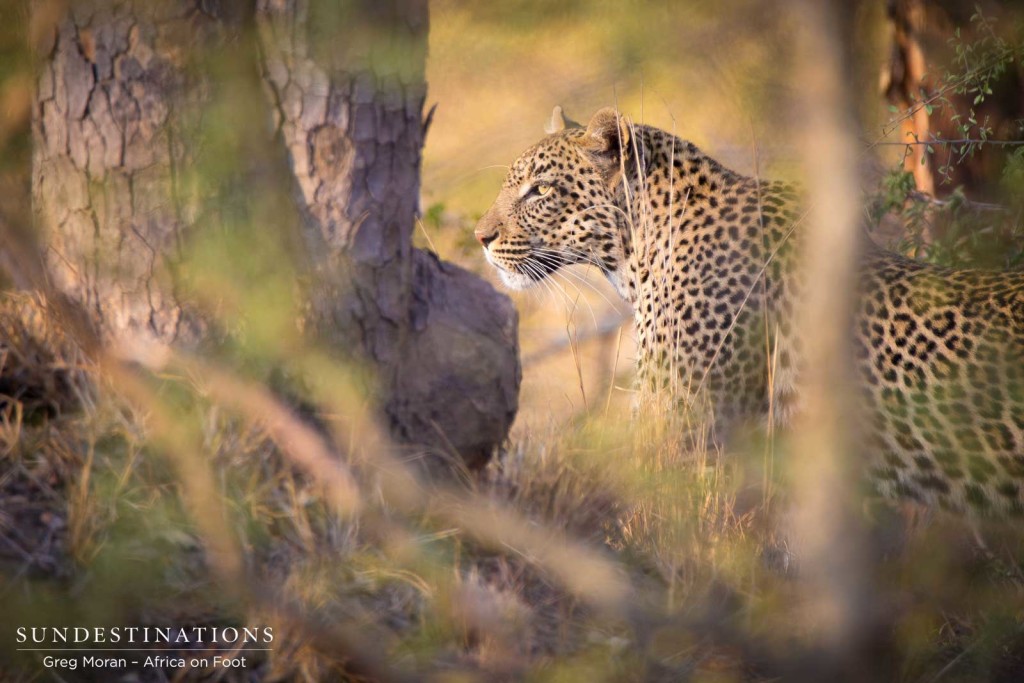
(485, 236)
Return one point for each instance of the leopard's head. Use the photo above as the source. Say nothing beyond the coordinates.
(557, 205)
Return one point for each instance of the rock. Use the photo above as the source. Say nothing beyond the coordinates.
(459, 377)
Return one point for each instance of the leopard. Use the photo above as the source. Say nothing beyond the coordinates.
(709, 261)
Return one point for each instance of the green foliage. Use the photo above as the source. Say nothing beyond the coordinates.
(956, 231)
(978, 64)
(433, 215)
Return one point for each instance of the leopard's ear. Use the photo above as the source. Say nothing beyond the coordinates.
(607, 139)
(559, 121)
(608, 131)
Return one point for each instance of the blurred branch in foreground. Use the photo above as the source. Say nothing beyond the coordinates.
(829, 537)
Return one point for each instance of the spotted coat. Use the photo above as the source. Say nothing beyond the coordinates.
(707, 259)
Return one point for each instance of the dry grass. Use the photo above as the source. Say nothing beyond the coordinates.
(96, 496)
(98, 525)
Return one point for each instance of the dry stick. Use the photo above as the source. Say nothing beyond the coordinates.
(770, 356)
(572, 331)
(615, 367)
(923, 198)
(962, 141)
(604, 327)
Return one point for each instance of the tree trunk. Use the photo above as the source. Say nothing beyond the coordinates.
(112, 101)
(904, 87)
(120, 100)
(348, 84)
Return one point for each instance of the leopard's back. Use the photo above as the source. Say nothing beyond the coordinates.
(941, 356)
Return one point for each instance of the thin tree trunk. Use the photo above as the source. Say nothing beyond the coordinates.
(904, 86)
(830, 539)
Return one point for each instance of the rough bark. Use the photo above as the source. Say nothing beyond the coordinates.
(120, 100)
(112, 106)
(350, 109)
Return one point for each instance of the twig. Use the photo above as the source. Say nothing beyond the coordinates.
(604, 327)
(961, 141)
(923, 198)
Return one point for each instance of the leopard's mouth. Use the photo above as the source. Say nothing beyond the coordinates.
(537, 268)
(525, 272)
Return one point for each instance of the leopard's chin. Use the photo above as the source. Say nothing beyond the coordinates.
(512, 279)
(517, 281)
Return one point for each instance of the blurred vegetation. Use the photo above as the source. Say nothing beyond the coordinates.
(595, 548)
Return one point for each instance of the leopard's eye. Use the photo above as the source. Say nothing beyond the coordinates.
(544, 189)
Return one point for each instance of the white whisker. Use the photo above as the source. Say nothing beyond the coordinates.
(579, 295)
(574, 258)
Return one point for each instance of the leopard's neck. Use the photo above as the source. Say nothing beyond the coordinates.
(659, 218)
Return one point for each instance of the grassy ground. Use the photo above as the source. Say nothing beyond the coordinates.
(594, 549)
